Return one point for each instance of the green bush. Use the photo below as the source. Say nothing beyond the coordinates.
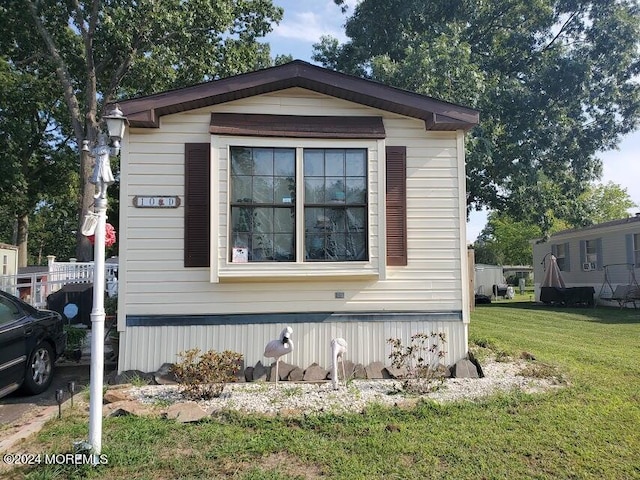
(205, 376)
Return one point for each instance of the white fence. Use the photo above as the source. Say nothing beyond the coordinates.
(34, 288)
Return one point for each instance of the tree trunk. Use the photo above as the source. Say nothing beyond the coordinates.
(84, 249)
(23, 236)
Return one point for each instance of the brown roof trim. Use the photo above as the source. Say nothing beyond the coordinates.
(296, 126)
(145, 112)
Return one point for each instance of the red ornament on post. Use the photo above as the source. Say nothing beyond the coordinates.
(109, 236)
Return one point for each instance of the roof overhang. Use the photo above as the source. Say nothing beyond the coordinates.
(145, 112)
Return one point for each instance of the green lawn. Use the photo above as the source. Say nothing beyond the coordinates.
(591, 429)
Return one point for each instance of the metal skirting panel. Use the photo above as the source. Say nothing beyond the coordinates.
(147, 348)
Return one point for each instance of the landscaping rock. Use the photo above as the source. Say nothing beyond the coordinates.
(348, 370)
(395, 372)
(284, 369)
(314, 373)
(115, 395)
(186, 412)
(464, 369)
(374, 370)
(125, 407)
(473, 360)
(359, 372)
(164, 375)
(259, 373)
(296, 375)
(248, 374)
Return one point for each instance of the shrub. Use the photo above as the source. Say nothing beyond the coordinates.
(420, 360)
(205, 376)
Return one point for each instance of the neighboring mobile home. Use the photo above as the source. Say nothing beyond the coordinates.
(604, 256)
(298, 196)
(8, 264)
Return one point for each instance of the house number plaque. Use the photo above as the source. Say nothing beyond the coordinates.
(156, 201)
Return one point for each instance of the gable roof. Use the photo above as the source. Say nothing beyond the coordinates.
(145, 112)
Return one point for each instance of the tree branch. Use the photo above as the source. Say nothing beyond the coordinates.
(62, 73)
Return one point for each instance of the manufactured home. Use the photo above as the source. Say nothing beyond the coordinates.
(604, 256)
(297, 196)
(8, 264)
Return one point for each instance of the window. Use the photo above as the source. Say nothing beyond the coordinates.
(591, 251)
(636, 249)
(335, 204)
(5, 264)
(8, 311)
(263, 193)
(561, 256)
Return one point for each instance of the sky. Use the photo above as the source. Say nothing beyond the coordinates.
(305, 21)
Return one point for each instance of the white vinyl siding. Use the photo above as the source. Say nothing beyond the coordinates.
(147, 348)
(155, 281)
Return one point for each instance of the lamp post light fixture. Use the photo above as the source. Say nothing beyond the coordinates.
(102, 177)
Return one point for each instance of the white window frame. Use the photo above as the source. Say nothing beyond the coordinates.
(222, 266)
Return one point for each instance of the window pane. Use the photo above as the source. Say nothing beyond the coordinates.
(356, 220)
(335, 190)
(241, 161)
(263, 189)
(263, 161)
(337, 219)
(283, 220)
(314, 163)
(241, 189)
(285, 162)
(356, 246)
(284, 190)
(334, 163)
(242, 219)
(356, 163)
(284, 248)
(356, 190)
(314, 190)
(263, 220)
(314, 220)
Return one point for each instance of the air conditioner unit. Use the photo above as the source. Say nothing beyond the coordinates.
(586, 267)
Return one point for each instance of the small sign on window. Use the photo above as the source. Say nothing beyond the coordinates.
(240, 255)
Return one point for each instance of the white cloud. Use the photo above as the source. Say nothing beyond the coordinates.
(308, 27)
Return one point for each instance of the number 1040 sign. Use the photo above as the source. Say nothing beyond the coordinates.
(156, 201)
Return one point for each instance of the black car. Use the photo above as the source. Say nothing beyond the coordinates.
(31, 340)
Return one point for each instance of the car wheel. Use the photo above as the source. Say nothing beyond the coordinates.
(39, 372)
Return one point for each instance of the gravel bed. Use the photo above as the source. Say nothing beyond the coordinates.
(294, 398)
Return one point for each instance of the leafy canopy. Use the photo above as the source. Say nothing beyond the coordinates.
(97, 51)
(555, 82)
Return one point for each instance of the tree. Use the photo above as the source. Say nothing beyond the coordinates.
(34, 162)
(101, 50)
(555, 82)
(601, 203)
(506, 241)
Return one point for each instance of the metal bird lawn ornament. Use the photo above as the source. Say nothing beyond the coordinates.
(278, 348)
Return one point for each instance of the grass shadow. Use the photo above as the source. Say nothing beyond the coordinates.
(606, 315)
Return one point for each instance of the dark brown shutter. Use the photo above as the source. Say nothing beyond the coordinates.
(396, 206)
(197, 172)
